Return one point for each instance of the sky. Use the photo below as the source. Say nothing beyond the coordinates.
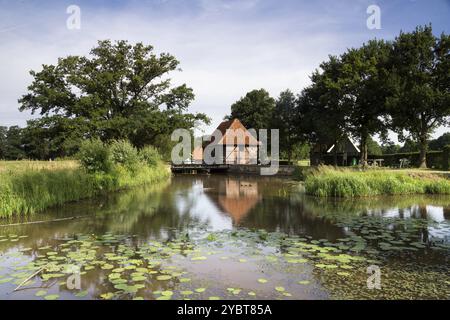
(225, 47)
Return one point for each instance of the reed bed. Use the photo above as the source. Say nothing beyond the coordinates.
(346, 183)
(27, 187)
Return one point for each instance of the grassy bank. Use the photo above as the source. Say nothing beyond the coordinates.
(330, 182)
(30, 186)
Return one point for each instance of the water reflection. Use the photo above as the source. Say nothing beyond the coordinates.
(229, 202)
(221, 203)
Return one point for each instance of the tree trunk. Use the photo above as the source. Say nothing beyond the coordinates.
(423, 151)
(363, 153)
(335, 153)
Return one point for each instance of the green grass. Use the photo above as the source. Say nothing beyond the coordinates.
(27, 187)
(331, 182)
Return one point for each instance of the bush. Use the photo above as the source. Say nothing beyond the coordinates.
(150, 156)
(94, 156)
(124, 153)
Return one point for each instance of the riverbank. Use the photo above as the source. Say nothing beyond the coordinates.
(27, 187)
(346, 183)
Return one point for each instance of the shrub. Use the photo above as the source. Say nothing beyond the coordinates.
(124, 153)
(94, 156)
(150, 156)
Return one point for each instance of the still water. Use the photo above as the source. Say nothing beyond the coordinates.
(229, 237)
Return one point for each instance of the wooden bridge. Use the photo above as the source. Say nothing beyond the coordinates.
(252, 169)
(199, 167)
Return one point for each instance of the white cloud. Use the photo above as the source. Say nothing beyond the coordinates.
(222, 56)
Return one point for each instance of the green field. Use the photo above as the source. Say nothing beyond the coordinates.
(331, 182)
(27, 187)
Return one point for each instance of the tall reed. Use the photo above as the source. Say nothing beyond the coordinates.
(29, 190)
(330, 182)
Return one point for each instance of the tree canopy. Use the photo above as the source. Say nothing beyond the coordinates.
(119, 91)
(254, 110)
(420, 64)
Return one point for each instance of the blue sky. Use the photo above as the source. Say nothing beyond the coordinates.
(226, 47)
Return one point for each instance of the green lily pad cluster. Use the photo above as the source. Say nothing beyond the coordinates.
(126, 267)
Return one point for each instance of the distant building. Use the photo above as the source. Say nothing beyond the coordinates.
(239, 145)
(345, 152)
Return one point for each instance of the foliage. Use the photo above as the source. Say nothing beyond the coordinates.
(440, 142)
(390, 147)
(123, 153)
(11, 143)
(119, 91)
(420, 82)
(373, 148)
(321, 117)
(255, 110)
(149, 155)
(401, 85)
(95, 156)
(364, 91)
(285, 120)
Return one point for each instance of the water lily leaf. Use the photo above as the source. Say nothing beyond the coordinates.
(52, 297)
(163, 277)
(262, 280)
(279, 289)
(186, 293)
(167, 293)
(41, 293)
(198, 258)
(82, 294)
(200, 290)
(139, 278)
(107, 266)
(107, 296)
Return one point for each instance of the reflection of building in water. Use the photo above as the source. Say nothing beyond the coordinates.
(235, 197)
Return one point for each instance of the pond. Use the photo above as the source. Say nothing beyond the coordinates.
(229, 237)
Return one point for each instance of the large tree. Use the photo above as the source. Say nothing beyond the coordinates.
(420, 64)
(255, 110)
(322, 113)
(118, 91)
(364, 91)
(285, 119)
